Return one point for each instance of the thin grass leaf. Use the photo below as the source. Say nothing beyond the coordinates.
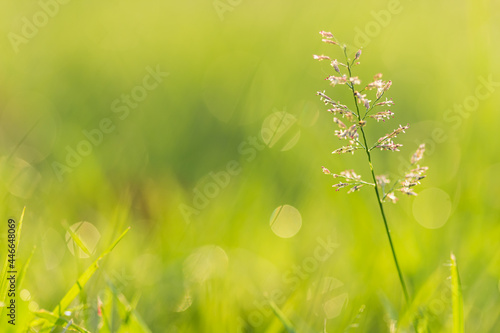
(23, 139)
(281, 316)
(80, 283)
(3, 282)
(457, 297)
(22, 273)
(131, 321)
(84, 278)
(59, 321)
(78, 241)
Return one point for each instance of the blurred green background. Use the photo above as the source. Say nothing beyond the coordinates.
(231, 132)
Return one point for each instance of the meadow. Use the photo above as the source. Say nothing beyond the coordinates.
(162, 163)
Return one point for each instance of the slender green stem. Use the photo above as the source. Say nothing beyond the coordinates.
(392, 188)
(354, 181)
(360, 144)
(368, 155)
(388, 232)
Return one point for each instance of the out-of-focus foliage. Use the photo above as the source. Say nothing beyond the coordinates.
(196, 123)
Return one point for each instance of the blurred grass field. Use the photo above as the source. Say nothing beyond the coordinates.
(232, 136)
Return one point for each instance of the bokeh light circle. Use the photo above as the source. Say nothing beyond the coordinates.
(285, 221)
(334, 306)
(88, 234)
(331, 295)
(432, 208)
(204, 263)
(33, 306)
(19, 177)
(25, 295)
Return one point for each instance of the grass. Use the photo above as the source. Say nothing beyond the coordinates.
(226, 78)
(48, 321)
(358, 119)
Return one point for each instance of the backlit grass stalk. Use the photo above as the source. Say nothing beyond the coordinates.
(358, 116)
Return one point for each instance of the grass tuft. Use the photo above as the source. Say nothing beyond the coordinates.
(75, 290)
(457, 297)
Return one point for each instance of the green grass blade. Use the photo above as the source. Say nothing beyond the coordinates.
(58, 321)
(22, 273)
(131, 321)
(19, 228)
(457, 298)
(281, 316)
(78, 241)
(84, 278)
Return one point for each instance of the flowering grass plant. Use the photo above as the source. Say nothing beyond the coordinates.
(368, 106)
